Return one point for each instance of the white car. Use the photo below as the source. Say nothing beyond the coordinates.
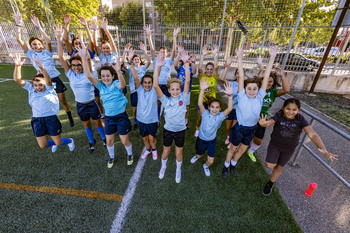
(320, 51)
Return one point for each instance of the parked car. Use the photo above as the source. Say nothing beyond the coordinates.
(297, 61)
(320, 51)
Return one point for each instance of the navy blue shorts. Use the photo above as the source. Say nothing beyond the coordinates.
(148, 129)
(97, 92)
(278, 155)
(89, 110)
(119, 123)
(133, 99)
(178, 137)
(260, 132)
(202, 146)
(49, 125)
(242, 134)
(232, 115)
(164, 89)
(58, 85)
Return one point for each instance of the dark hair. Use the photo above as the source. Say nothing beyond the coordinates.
(212, 100)
(103, 36)
(111, 69)
(74, 58)
(165, 49)
(209, 63)
(255, 79)
(274, 75)
(39, 77)
(146, 76)
(136, 55)
(236, 71)
(292, 101)
(74, 39)
(34, 38)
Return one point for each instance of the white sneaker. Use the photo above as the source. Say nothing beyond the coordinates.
(228, 146)
(178, 177)
(227, 141)
(54, 148)
(154, 155)
(194, 159)
(161, 173)
(71, 145)
(196, 133)
(146, 153)
(110, 163)
(206, 170)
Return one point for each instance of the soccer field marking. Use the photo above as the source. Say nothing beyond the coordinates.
(117, 225)
(65, 191)
(5, 80)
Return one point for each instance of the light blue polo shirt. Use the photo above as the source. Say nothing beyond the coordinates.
(174, 112)
(147, 107)
(46, 58)
(248, 109)
(165, 71)
(141, 71)
(82, 88)
(234, 94)
(114, 101)
(43, 103)
(210, 125)
(108, 59)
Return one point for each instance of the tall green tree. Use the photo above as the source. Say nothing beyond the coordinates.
(132, 14)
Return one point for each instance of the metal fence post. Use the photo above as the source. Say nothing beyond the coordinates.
(154, 26)
(202, 38)
(301, 145)
(222, 28)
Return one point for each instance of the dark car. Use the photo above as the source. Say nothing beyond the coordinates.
(296, 61)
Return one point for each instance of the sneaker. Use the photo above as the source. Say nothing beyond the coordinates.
(229, 145)
(54, 148)
(71, 145)
(232, 169)
(110, 163)
(135, 127)
(71, 121)
(161, 173)
(92, 146)
(206, 170)
(268, 188)
(130, 159)
(194, 159)
(251, 156)
(224, 172)
(196, 133)
(187, 127)
(154, 155)
(104, 143)
(178, 177)
(227, 141)
(146, 153)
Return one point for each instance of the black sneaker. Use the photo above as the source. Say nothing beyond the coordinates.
(224, 172)
(232, 169)
(135, 127)
(92, 146)
(104, 143)
(70, 119)
(268, 188)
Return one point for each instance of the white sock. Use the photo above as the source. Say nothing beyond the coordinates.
(178, 166)
(205, 165)
(253, 148)
(111, 151)
(164, 163)
(129, 149)
(233, 163)
(227, 164)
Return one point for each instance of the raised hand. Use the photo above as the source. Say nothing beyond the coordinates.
(82, 21)
(184, 56)
(58, 31)
(279, 71)
(160, 60)
(104, 24)
(229, 60)
(148, 30)
(18, 18)
(81, 52)
(35, 21)
(205, 50)
(216, 49)
(81, 37)
(17, 59)
(273, 52)
(180, 48)
(259, 60)
(117, 65)
(239, 53)
(142, 46)
(127, 47)
(204, 83)
(228, 89)
(131, 54)
(93, 23)
(329, 155)
(38, 63)
(176, 31)
(66, 19)
(262, 120)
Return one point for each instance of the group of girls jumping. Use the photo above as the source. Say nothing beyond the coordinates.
(246, 115)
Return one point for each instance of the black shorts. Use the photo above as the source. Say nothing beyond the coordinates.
(178, 137)
(133, 99)
(202, 146)
(49, 125)
(278, 155)
(58, 85)
(242, 134)
(119, 123)
(164, 89)
(148, 129)
(89, 110)
(232, 115)
(260, 132)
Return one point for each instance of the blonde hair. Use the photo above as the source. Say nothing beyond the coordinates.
(173, 80)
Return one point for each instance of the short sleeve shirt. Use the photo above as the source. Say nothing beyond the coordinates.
(210, 125)
(165, 71)
(46, 58)
(286, 132)
(43, 103)
(147, 107)
(82, 88)
(108, 59)
(181, 75)
(268, 100)
(248, 109)
(141, 71)
(114, 101)
(174, 112)
(210, 92)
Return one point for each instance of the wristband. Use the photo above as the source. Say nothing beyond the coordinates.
(149, 34)
(18, 25)
(93, 29)
(193, 62)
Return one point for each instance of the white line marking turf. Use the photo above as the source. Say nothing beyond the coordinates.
(118, 222)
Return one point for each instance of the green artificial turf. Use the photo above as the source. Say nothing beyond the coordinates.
(197, 204)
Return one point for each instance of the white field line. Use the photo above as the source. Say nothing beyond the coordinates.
(118, 222)
(4, 80)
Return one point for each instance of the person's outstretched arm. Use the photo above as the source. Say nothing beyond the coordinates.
(228, 91)
(239, 54)
(265, 123)
(135, 74)
(84, 23)
(227, 66)
(285, 84)
(180, 48)
(273, 53)
(200, 66)
(110, 38)
(148, 31)
(47, 77)
(84, 57)
(160, 62)
(17, 76)
(144, 51)
(185, 58)
(47, 39)
(176, 31)
(59, 32)
(19, 24)
(216, 63)
(94, 28)
(204, 85)
(118, 68)
(193, 62)
(66, 20)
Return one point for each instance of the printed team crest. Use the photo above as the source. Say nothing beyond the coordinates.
(181, 102)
